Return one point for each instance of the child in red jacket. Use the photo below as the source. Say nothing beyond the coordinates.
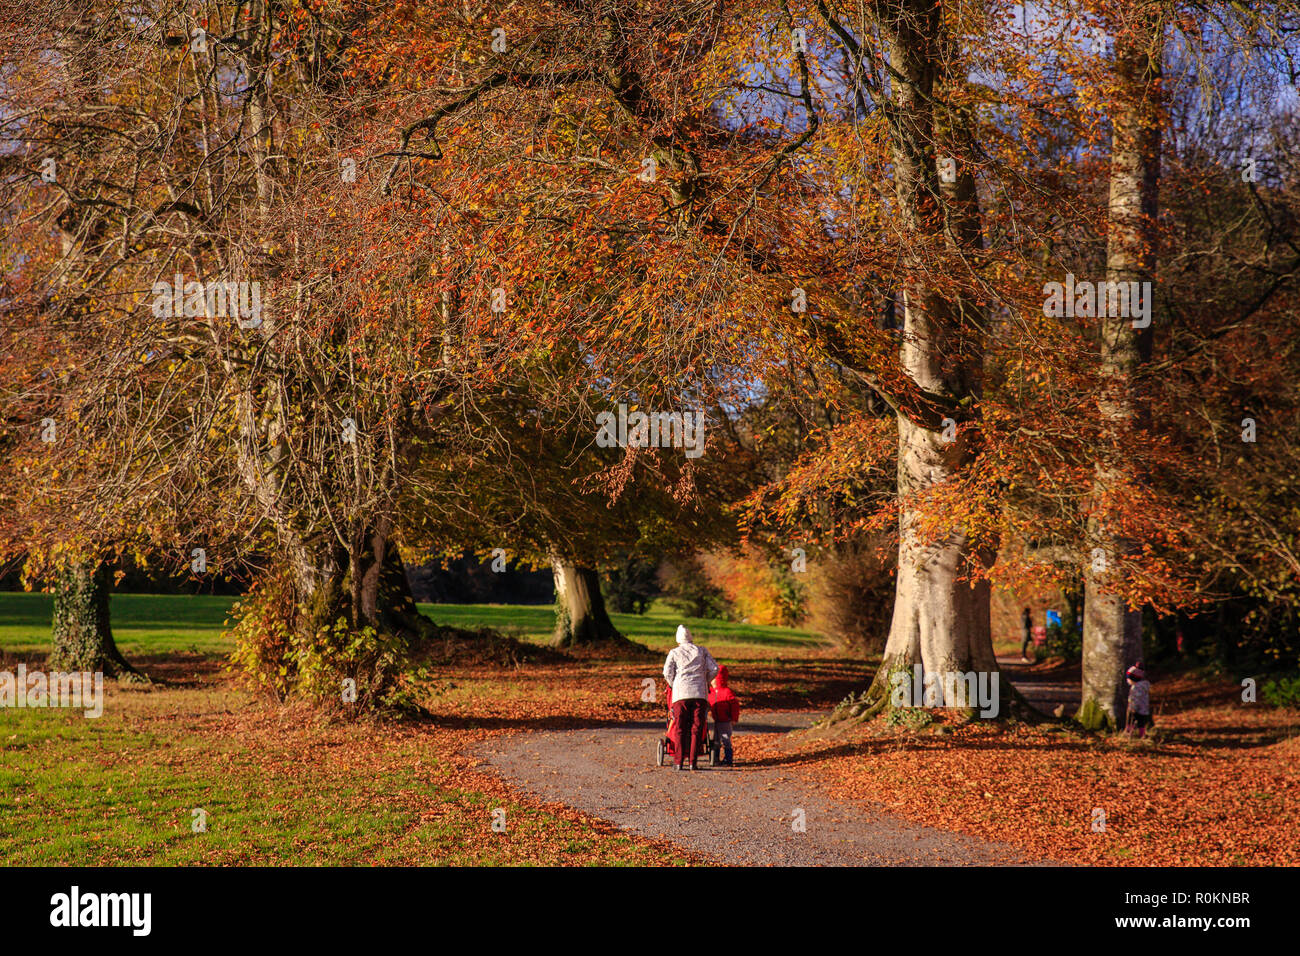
(726, 711)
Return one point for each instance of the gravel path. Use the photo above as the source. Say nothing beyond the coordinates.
(741, 815)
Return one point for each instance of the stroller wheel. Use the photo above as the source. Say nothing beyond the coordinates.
(659, 753)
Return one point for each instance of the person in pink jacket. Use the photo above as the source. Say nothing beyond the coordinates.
(726, 712)
(688, 670)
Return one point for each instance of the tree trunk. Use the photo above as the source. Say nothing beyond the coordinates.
(940, 621)
(366, 589)
(258, 58)
(83, 637)
(386, 597)
(1112, 631)
(580, 616)
(1112, 642)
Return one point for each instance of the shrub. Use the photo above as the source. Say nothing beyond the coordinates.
(263, 636)
(689, 591)
(631, 585)
(758, 588)
(1064, 642)
(791, 597)
(371, 659)
(851, 594)
(914, 718)
(275, 653)
(1282, 691)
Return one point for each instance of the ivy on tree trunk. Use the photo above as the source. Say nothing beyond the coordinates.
(83, 637)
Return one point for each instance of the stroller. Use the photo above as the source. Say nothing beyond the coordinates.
(666, 746)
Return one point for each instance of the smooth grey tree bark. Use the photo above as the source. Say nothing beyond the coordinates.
(1112, 631)
(580, 615)
(941, 619)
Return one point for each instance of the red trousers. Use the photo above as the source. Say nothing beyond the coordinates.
(690, 721)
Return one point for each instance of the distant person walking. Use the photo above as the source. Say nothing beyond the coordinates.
(1029, 636)
(688, 670)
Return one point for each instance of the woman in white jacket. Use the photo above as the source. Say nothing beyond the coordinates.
(688, 671)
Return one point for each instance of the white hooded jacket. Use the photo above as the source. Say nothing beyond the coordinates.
(689, 668)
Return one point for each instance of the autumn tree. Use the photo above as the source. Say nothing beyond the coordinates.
(1112, 629)
(233, 377)
(82, 636)
(588, 166)
(540, 482)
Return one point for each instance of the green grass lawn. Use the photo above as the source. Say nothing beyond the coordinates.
(121, 789)
(656, 628)
(142, 623)
(145, 624)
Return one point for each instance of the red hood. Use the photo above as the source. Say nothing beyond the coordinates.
(720, 681)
